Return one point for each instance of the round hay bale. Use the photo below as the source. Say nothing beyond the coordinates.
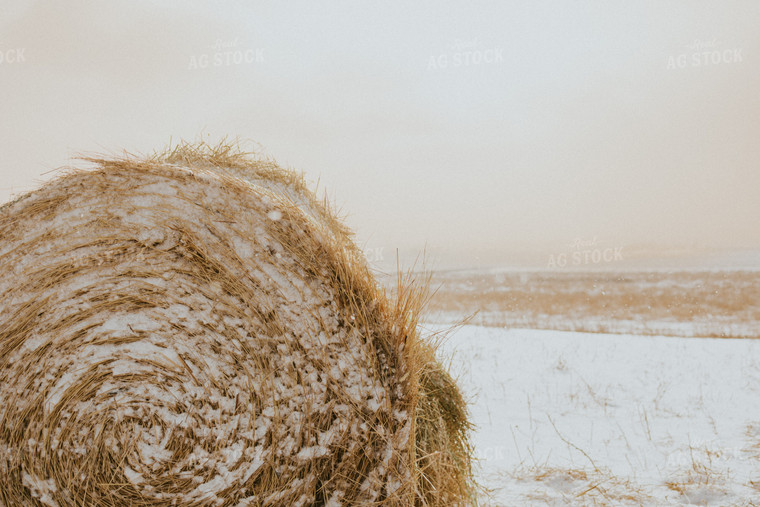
(197, 328)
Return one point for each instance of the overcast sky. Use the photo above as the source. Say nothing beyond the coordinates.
(468, 128)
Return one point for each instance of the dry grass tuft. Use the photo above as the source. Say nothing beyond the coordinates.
(700, 484)
(198, 328)
(582, 487)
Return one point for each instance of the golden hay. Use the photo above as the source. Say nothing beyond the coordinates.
(197, 328)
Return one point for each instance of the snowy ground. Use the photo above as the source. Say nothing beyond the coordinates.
(568, 418)
(716, 303)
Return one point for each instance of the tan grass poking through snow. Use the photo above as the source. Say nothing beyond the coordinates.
(197, 328)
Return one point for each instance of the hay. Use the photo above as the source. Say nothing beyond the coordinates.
(197, 328)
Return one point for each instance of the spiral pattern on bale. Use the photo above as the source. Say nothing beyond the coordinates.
(177, 333)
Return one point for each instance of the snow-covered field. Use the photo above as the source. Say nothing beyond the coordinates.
(717, 303)
(567, 418)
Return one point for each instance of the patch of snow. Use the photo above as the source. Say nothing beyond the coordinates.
(645, 409)
(40, 489)
(310, 453)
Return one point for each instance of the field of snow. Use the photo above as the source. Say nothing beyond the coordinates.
(716, 303)
(567, 418)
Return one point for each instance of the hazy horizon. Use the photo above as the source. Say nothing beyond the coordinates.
(473, 130)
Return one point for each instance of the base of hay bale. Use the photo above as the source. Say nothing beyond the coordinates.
(197, 328)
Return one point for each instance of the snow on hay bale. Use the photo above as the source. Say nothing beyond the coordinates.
(196, 328)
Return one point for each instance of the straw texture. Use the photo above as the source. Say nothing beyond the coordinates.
(196, 328)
